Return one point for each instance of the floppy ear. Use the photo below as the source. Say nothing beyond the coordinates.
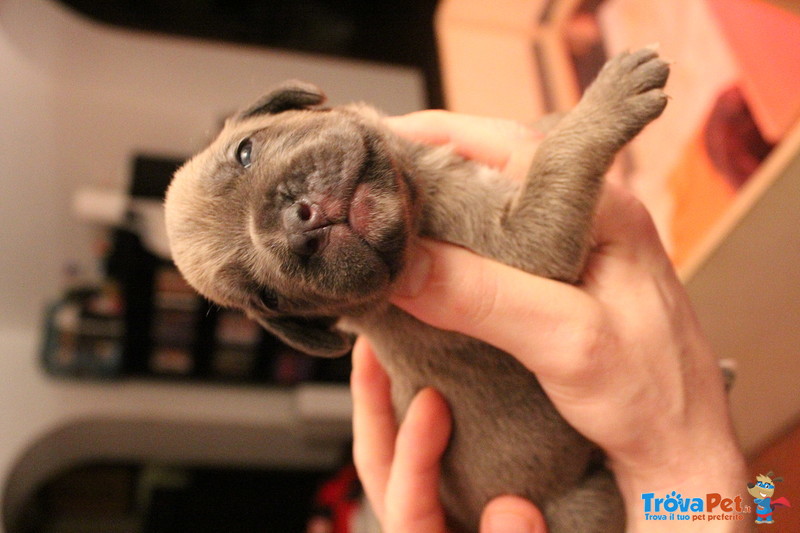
(315, 336)
(291, 94)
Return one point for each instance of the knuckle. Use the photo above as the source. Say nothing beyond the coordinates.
(432, 117)
(363, 460)
(626, 212)
(639, 215)
(584, 345)
(359, 459)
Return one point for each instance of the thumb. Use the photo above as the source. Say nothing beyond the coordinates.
(454, 289)
(512, 514)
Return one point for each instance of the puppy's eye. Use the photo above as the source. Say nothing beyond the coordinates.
(244, 153)
(268, 298)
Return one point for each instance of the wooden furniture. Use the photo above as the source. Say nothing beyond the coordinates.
(519, 59)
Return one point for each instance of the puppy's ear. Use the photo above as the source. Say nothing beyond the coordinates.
(315, 336)
(289, 95)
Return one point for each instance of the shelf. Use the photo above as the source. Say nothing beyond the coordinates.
(63, 423)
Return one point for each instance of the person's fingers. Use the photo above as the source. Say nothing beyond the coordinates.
(413, 488)
(626, 242)
(512, 514)
(454, 289)
(374, 424)
(623, 222)
(498, 143)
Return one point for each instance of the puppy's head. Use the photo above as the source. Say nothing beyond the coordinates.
(295, 214)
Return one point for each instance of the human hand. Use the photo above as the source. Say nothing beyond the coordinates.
(621, 356)
(399, 467)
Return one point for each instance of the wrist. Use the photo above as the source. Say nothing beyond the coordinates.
(711, 481)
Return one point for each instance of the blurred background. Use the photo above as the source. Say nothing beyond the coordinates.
(132, 405)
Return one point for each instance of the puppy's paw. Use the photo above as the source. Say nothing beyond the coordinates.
(629, 88)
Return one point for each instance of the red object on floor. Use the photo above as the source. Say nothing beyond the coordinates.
(338, 499)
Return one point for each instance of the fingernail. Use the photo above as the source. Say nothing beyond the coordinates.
(415, 275)
(509, 523)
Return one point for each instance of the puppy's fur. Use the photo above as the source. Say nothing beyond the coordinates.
(302, 217)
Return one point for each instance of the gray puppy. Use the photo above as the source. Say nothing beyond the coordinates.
(303, 216)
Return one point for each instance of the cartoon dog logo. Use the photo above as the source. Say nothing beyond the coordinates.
(762, 491)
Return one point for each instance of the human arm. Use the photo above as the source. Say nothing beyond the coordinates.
(621, 355)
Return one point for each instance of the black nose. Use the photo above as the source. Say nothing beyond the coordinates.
(306, 227)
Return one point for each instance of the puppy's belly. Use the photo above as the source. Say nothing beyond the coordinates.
(507, 437)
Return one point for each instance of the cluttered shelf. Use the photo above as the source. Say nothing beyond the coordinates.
(142, 320)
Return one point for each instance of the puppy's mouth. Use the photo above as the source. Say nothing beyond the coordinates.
(370, 209)
(362, 214)
(344, 236)
(359, 216)
(375, 218)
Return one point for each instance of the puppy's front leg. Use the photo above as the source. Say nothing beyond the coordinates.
(549, 220)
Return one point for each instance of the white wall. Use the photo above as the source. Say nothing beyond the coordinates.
(76, 101)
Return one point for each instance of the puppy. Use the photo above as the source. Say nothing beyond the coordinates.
(302, 217)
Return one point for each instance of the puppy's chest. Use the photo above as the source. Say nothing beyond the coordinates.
(463, 203)
(421, 355)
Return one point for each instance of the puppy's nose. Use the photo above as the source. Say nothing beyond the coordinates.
(306, 227)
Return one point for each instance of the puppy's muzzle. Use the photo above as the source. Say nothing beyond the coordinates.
(307, 228)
